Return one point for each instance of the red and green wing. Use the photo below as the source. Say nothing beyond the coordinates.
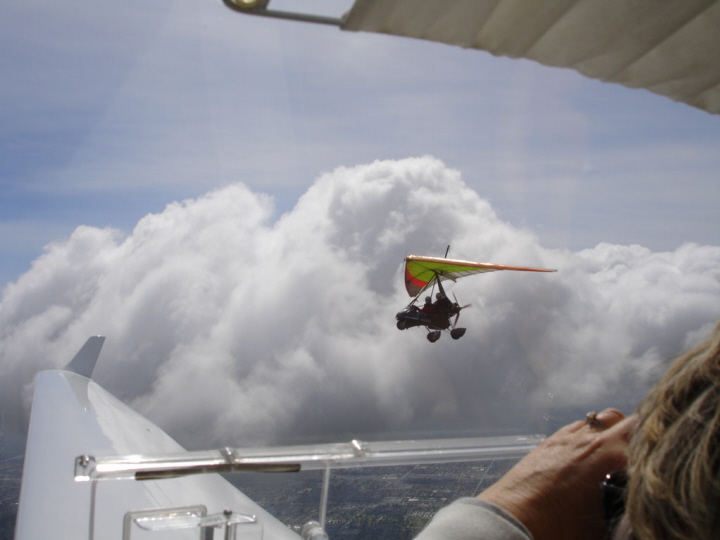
(420, 272)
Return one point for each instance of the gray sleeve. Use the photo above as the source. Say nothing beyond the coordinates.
(472, 519)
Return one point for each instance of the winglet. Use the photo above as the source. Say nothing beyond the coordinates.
(84, 361)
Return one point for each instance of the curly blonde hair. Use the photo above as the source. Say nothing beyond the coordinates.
(674, 455)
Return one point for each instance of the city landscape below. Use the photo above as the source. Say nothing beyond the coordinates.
(12, 450)
(392, 503)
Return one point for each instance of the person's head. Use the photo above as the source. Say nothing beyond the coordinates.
(674, 454)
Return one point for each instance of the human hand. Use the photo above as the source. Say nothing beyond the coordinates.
(554, 490)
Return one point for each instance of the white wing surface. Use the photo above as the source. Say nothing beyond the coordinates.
(73, 416)
(671, 48)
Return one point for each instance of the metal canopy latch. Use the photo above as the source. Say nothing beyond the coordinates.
(84, 465)
(190, 517)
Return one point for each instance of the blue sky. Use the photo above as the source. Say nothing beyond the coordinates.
(109, 111)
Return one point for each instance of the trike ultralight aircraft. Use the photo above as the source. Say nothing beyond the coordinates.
(423, 273)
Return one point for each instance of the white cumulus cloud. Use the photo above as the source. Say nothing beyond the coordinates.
(228, 324)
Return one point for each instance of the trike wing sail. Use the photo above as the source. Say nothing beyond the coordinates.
(421, 272)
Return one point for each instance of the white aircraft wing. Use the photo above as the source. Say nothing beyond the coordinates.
(671, 48)
(73, 416)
